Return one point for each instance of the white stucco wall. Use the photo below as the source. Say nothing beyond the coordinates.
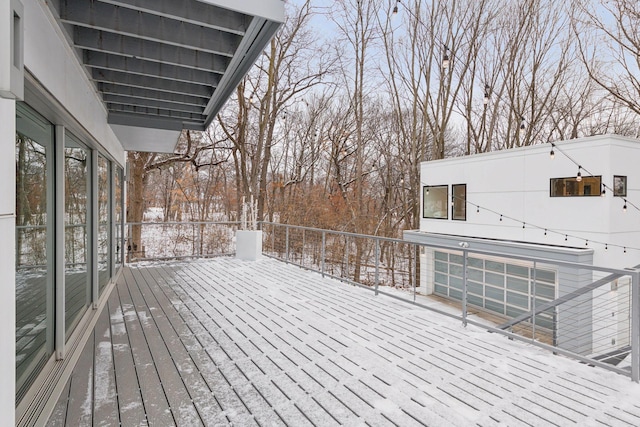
(50, 59)
(516, 183)
(7, 261)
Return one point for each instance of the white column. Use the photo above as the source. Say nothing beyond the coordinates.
(7, 260)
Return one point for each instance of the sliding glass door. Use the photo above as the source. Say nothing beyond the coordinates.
(77, 184)
(34, 245)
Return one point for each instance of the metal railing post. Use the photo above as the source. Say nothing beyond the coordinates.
(377, 274)
(324, 241)
(346, 252)
(286, 244)
(533, 302)
(635, 326)
(302, 250)
(273, 240)
(415, 269)
(464, 287)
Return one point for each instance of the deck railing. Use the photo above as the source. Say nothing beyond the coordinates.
(586, 312)
(179, 240)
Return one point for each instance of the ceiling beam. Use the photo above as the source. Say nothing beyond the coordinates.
(192, 11)
(146, 93)
(150, 103)
(159, 84)
(128, 22)
(101, 41)
(157, 112)
(149, 68)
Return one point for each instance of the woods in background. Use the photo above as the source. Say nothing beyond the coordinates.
(330, 126)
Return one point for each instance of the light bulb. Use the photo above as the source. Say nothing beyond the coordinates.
(552, 154)
(445, 61)
(579, 176)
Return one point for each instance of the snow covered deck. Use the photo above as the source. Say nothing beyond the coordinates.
(221, 342)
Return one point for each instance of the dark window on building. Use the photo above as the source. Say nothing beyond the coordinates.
(459, 202)
(571, 187)
(434, 201)
(620, 186)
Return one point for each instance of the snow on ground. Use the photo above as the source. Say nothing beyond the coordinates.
(265, 343)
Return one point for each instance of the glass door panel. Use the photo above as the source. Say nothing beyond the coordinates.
(104, 230)
(77, 190)
(34, 245)
(117, 232)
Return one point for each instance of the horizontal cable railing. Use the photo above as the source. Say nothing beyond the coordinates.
(152, 241)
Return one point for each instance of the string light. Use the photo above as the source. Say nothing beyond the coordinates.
(605, 187)
(445, 58)
(624, 208)
(552, 154)
(522, 127)
(547, 231)
(486, 94)
(395, 8)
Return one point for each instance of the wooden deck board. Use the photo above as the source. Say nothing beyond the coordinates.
(132, 411)
(223, 342)
(105, 401)
(80, 400)
(153, 395)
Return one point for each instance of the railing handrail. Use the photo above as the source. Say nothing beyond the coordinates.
(182, 223)
(623, 271)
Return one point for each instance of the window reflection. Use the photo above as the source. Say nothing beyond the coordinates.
(76, 249)
(103, 223)
(34, 228)
(571, 187)
(459, 192)
(435, 201)
(117, 234)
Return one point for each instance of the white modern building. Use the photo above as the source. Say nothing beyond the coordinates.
(82, 82)
(530, 202)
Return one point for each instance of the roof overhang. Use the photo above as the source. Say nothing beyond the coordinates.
(162, 66)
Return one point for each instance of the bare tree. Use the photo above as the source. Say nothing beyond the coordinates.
(291, 65)
(609, 46)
